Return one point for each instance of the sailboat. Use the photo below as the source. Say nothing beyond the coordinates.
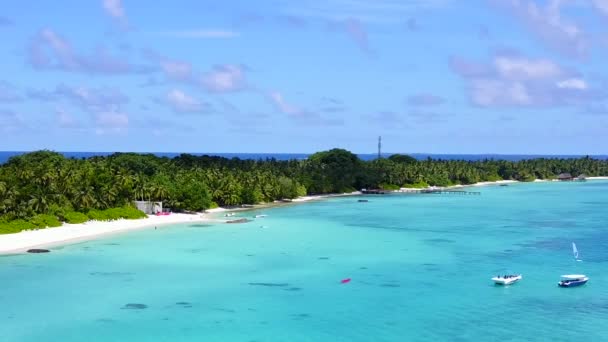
(572, 280)
(575, 252)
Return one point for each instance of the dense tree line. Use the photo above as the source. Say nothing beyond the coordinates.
(44, 187)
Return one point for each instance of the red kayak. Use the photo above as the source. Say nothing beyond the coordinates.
(345, 281)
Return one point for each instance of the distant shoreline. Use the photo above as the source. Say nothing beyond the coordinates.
(72, 233)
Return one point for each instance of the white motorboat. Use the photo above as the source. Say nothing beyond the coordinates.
(506, 279)
(572, 280)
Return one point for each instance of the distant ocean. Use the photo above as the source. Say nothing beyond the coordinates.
(5, 155)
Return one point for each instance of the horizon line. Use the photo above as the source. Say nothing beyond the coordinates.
(309, 153)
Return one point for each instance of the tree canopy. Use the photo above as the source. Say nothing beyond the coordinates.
(47, 183)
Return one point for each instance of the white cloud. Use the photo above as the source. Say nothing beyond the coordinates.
(88, 99)
(301, 115)
(283, 106)
(601, 5)
(183, 103)
(104, 105)
(491, 92)
(572, 83)
(518, 68)
(224, 78)
(177, 70)
(116, 10)
(548, 25)
(49, 50)
(514, 80)
(92, 99)
(62, 49)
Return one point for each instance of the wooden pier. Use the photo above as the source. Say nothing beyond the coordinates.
(439, 192)
(420, 191)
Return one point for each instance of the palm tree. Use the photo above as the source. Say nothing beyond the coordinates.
(108, 195)
(84, 198)
(158, 191)
(39, 202)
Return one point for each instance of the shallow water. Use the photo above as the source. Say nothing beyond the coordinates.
(420, 267)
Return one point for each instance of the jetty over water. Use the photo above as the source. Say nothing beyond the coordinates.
(419, 191)
(439, 192)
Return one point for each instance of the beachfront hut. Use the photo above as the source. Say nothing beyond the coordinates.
(148, 207)
(564, 177)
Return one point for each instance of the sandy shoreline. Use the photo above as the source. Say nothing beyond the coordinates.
(71, 233)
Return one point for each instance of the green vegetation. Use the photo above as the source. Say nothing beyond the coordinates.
(40, 189)
(384, 186)
(419, 185)
(75, 217)
(129, 213)
(45, 221)
(15, 226)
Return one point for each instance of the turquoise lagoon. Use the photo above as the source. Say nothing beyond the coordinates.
(420, 267)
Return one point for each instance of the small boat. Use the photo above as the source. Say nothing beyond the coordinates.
(507, 279)
(259, 216)
(572, 280)
(363, 201)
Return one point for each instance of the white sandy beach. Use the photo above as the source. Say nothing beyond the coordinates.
(20, 242)
(494, 183)
(318, 197)
(459, 186)
(70, 233)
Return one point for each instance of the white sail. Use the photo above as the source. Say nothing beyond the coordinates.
(574, 251)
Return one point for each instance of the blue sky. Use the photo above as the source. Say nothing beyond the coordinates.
(430, 76)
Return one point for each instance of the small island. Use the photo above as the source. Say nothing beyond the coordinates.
(44, 189)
